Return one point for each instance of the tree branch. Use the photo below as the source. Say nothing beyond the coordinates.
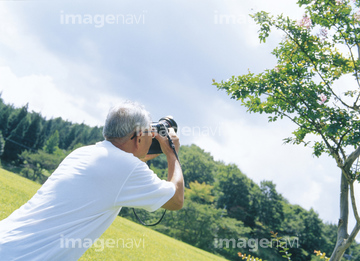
(353, 203)
(354, 232)
(350, 160)
(358, 48)
(344, 208)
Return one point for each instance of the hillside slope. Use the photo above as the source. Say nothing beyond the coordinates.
(123, 240)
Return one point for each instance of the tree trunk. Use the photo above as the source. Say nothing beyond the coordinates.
(342, 235)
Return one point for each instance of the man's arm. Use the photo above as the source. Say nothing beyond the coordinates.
(175, 176)
(174, 171)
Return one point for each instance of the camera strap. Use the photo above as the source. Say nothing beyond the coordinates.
(161, 218)
(173, 147)
(149, 225)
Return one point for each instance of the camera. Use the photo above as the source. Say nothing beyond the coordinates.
(161, 127)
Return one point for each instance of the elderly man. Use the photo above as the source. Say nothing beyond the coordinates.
(85, 193)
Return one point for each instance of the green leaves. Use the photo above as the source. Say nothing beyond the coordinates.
(282, 246)
(265, 21)
(200, 193)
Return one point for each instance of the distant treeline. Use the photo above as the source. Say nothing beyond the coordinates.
(22, 130)
(225, 212)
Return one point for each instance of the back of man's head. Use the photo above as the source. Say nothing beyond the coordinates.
(124, 119)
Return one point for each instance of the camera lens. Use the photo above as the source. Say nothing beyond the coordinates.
(169, 122)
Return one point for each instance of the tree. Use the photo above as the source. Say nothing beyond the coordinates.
(32, 135)
(196, 165)
(14, 144)
(318, 52)
(37, 166)
(95, 135)
(52, 143)
(14, 119)
(271, 208)
(311, 236)
(2, 144)
(5, 111)
(235, 194)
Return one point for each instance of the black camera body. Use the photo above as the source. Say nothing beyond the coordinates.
(161, 127)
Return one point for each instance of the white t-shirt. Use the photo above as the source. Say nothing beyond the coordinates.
(79, 202)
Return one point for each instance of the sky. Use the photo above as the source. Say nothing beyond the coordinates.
(76, 59)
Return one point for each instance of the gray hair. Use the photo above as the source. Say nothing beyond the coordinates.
(125, 118)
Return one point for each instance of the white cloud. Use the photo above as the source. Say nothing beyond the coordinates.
(53, 85)
(42, 95)
(9, 28)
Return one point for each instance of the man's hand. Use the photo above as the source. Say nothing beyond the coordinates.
(164, 142)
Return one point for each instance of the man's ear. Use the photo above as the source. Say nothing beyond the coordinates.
(138, 140)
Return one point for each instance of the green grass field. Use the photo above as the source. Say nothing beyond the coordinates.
(123, 240)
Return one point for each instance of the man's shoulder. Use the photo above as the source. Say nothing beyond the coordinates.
(106, 149)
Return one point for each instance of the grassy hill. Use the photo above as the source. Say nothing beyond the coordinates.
(123, 240)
